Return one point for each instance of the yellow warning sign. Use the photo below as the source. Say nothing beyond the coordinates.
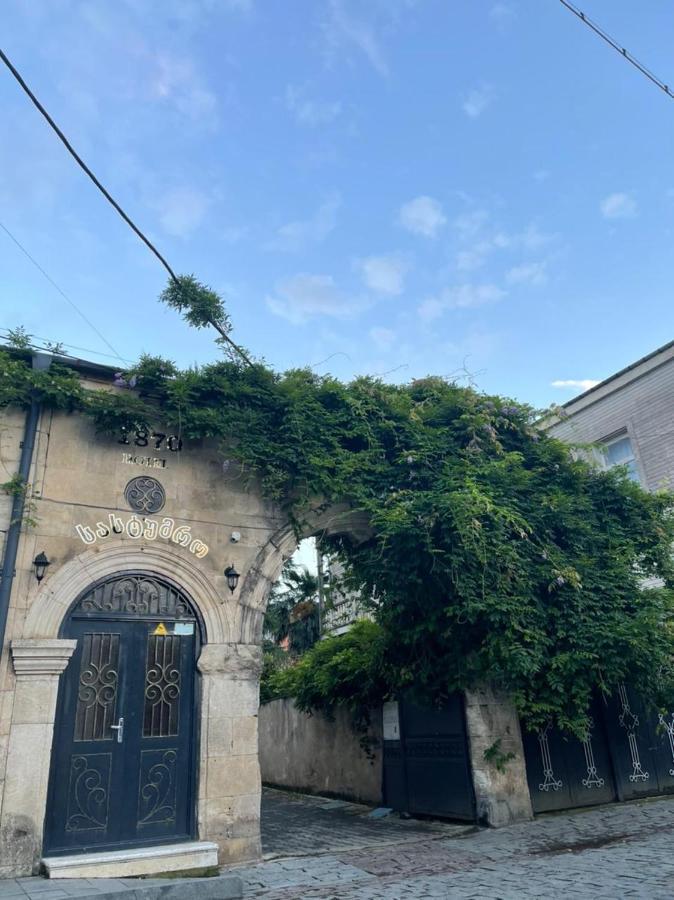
(160, 629)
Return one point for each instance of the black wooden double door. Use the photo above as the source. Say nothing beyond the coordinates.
(122, 761)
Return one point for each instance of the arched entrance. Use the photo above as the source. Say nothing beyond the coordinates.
(123, 759)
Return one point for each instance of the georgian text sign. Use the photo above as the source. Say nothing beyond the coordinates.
(147, 528)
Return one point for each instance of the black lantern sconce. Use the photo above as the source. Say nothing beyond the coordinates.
(232, 577)
(40, 564)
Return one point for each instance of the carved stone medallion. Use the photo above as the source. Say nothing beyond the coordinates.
(145, 494)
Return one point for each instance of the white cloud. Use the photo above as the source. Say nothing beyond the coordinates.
(423, 215)
(477, 100)
(618, 206)
(296, 236)
(311, 112)
(383, 338)
(182, 210)
(528, 274)
(501, 13)
(478, 242)
(342, 29)
(175, 80)
(304, 296)
(583, 383)
(461, 297)
(471, 258)
(383, 274)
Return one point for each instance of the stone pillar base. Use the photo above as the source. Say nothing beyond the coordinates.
(229, 792)
(38, 665)
(501, 788)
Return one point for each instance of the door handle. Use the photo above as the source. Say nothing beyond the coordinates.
(119, 728)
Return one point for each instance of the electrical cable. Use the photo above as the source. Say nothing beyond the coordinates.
(85, 168)
(61, 292)
(5, 333)
(616, 46)
(108, 196)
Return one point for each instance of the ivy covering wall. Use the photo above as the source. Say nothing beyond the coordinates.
(494, 554)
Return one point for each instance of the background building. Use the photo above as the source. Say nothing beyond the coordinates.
(630, 419)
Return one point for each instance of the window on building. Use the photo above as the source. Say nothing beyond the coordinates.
(619, 452)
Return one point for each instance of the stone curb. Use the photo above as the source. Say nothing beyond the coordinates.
(222, 887)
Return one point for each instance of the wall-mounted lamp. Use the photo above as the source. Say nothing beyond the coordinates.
(40, 564)
(232, 577)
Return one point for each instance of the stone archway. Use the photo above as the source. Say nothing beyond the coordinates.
(321, 519)
(55, 597)
(228, 792)
(228, 805)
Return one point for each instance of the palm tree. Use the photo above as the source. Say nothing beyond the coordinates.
(292, 612)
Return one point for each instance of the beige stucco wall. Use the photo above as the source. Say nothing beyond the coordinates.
(78, 478)
(316, 755)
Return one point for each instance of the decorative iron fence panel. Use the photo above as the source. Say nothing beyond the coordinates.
(642, 746)
(629, 753)
(564, 772)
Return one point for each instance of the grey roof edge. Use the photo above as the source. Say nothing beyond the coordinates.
(85, 366)
(624, 376)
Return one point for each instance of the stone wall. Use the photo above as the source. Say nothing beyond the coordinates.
(11, 435)
(78, 480)
(501, 791)
(315, 755)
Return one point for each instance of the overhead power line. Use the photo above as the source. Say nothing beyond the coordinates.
(80, 162)
(61, 292)
(6, 334)
(616, 46)
(85, 168)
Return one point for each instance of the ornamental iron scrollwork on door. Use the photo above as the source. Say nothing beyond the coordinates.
(630, 722)
(97, 689)
(669, 728)
(89, 792)
(550, 782)
(138, 595)
(145, 494)
(162, 686)
(157, 793)
(592, 780)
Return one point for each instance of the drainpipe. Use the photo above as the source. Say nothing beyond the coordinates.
(321, 587)
(41, 361)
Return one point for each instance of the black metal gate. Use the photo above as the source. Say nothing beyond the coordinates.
(427, 771)
(564, 772)
(642, 746)
(122, 770)
(629, 753)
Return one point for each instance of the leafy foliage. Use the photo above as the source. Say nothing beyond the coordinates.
(348, 670)
(292, 610)
(200, 305)
(494, 554)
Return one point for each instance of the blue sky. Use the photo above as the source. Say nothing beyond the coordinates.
(399, 187)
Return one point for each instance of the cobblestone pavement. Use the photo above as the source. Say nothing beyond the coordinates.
(622, 850)
(334, 851)
(334, 825)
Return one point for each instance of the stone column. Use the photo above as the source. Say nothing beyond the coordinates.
(229, 778)
(37, 666)
(501, 789)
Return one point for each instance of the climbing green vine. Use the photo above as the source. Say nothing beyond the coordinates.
(493, 555)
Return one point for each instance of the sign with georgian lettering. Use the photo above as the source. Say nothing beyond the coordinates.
(148, 529)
